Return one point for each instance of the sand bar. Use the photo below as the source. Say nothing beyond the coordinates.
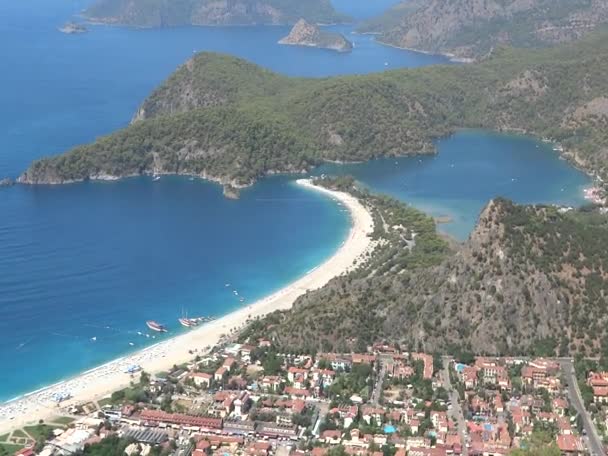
(103, 380)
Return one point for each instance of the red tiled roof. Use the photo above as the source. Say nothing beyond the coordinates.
(158, 416)
(569, 443)
(201, 375)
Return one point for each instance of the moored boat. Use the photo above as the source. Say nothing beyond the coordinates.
(188, 322)
(154, 326)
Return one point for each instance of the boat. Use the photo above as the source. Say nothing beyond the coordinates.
(156, 178)
(188, 322)
(155, 326)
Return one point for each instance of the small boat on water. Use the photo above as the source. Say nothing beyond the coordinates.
(188, 322)
(154, 326)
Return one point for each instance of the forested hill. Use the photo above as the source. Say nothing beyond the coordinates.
(168, 13)
(472, 28)
(228, 120)
(529, 280)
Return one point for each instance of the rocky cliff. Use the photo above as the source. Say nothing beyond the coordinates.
(471, 29)
(168, 13)
(305, 34)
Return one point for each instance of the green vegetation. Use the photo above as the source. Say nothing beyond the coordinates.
(111, 445)
(132, 394)
(473, 31)
(231, 121)
(358, 381)
(529, 280)
(540, 443)
(170, 13)
(8, 449)
(63, 420)
(349, 313)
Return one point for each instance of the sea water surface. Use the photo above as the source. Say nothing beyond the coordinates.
(469, 169)
(82, 267)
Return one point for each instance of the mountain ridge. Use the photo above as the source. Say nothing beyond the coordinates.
(231, 121)
(173, 13)
(529, 280)
(471, 29)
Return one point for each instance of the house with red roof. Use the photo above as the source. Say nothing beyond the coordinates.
(201, 379)
(331, 437)
(221, 374)
(570, 445)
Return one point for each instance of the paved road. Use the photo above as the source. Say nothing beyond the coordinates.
(593, 439)
(456, 411)
(377, 393)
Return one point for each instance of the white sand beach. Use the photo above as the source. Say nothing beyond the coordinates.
(103, 380)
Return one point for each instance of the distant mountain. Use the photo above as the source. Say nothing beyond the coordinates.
(307, 34)
(530, 280)
(168, 13)
(231, 121)
(470, 29)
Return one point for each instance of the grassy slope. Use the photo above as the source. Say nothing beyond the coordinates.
(234, 121)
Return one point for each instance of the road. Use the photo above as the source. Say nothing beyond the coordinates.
(456, 411)
(593, 439)
(377, 393)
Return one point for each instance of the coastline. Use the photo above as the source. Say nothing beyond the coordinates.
(101, 381)
(451, 57)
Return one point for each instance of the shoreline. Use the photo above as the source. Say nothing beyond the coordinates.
(98, 382)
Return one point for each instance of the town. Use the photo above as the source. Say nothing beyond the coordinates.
(250, 399)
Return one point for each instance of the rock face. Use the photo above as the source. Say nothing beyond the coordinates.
(470, 29)
(306, 34)
(231, 192)
(72, 28)
(170, 13)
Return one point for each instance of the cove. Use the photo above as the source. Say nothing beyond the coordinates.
(470, 168)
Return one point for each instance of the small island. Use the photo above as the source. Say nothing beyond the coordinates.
(307, 34)
(7, 182)
(72, 28)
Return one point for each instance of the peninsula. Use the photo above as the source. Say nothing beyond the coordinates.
(471, 29)
(171, 13)
(231, 121)
(306, 34)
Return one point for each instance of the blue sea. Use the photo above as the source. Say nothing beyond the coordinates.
(97, 260)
